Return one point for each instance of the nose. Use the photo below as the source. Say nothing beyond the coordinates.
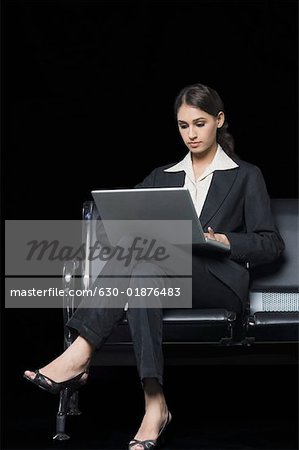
(192, 132)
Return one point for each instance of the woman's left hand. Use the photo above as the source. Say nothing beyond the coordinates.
(217, 236)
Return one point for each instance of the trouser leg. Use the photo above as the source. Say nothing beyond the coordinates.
(96, 316)
(95, 325)
(145, 318)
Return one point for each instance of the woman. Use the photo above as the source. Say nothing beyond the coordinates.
(231, 199)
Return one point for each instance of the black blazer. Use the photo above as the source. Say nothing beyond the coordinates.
(237, 205)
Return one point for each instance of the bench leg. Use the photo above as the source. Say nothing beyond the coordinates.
(63, 409)
(73, 405)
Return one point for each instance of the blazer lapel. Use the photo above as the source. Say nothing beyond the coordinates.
(173, 179)
(221, 184)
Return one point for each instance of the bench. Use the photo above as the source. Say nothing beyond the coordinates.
(271, 315)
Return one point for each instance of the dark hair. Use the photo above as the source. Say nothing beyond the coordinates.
(207, 99)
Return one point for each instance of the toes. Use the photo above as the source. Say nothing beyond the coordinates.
(29, 374)
(32, 376)
(136, 446)
(84, 376)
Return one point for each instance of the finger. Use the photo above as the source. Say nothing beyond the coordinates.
(211, 231)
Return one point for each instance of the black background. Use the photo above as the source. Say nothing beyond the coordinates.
(89, 90)
(87, 102)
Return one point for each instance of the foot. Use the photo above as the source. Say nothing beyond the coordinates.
(73, 361)
(154, 418)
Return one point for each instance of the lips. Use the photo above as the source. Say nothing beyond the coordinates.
(194, 143)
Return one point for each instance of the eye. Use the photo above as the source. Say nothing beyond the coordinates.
(200, 124)
(182, 125)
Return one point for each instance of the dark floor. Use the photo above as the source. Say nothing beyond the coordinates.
(214, 407)
(236, 399)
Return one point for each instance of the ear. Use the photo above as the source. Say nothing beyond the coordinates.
(220, 119)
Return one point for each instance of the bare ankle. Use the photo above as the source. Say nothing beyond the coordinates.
(80, 350)
(154, 396)
(83, 345)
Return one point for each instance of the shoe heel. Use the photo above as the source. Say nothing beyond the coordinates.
(165, 430)
(64, 401)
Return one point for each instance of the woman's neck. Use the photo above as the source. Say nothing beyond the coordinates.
(202, 160)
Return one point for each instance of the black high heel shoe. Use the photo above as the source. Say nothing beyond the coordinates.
(150, 444)
(53, 387)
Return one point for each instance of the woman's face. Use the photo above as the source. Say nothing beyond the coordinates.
(198, 128)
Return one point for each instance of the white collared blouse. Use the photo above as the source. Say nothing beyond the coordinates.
(199, 188)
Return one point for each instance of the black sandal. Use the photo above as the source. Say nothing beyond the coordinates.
(147, 445)
(150, 444)
(52, 386)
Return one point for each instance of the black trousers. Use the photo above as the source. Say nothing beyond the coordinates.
(96, 317)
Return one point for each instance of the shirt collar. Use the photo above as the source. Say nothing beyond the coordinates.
(221, 161)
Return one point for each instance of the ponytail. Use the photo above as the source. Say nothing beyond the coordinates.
(226, 140)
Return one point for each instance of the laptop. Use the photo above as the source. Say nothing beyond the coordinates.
(147, 212)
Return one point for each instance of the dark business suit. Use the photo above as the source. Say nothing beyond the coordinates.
(238, 205)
